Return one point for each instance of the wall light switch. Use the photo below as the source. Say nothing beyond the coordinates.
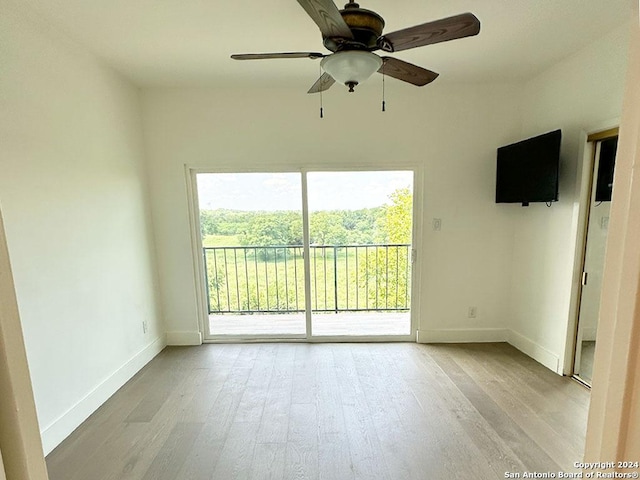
(437, 224)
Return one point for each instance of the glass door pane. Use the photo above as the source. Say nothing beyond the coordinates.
(251, 228)
(360, 228)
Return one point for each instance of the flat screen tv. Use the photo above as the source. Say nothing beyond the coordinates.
(527, 171)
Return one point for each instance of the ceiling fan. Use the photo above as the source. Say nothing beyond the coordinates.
(352, 34)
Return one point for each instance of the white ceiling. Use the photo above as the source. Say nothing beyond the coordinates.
(188, 42)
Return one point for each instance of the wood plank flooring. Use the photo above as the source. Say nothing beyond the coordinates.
(391, 411)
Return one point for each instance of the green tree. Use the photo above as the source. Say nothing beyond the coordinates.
(265, 229)
(208, 224)
(325, 228)
(389, 268)
(362, 225)
(396, 221)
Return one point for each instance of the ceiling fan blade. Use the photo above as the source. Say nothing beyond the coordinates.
(327, 17)
(323, 83)
(459, 26)
(407, 72)
(264, 56)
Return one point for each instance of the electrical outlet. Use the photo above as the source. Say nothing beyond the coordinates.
(473, 312)
(144, 326)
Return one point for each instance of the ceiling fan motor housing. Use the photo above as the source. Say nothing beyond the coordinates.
(365, 25)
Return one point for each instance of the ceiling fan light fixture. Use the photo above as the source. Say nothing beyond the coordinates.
(351, 67)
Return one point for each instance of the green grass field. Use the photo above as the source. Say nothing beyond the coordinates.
(220, 240)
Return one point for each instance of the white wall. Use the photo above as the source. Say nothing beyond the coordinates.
(579, 94)
(73, 194)
(452, 131)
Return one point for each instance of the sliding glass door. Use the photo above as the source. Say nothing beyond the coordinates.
(251, 231)
(360, 235)
(322, 255)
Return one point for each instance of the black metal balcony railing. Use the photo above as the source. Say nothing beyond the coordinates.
(343, 278)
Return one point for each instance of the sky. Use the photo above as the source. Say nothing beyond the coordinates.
(282, 191)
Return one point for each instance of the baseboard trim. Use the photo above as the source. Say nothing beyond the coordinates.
(535, 351)
(463, 335)
(63, 426)
(484, 335)
(184, 338)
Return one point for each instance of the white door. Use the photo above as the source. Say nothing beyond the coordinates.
(597, 230)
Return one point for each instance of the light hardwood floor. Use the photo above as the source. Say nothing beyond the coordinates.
(331, 411)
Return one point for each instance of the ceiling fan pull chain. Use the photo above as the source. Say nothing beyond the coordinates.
(383, 102)
(321, 109)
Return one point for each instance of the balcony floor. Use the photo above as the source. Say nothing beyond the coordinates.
(324, 324)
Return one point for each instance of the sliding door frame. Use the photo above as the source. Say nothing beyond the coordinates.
(191, 173)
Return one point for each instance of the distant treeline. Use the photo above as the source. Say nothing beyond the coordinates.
(385, 224)
(285, 227)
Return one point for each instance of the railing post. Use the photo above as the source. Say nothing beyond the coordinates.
(335, 277)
